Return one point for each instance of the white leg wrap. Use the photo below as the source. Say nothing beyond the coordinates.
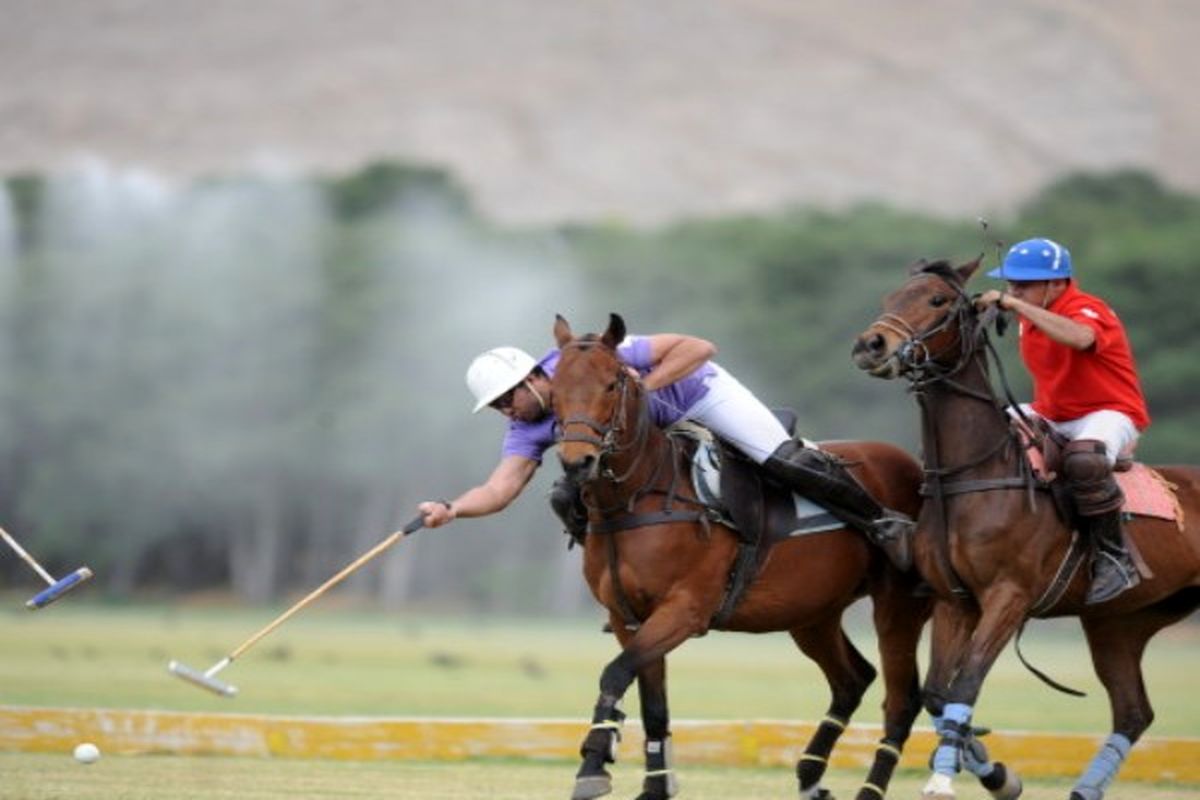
(939, 787)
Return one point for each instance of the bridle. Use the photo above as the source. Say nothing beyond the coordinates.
(606, 437)
(916, 361)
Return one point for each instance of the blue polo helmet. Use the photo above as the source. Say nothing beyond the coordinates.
(1034, 260)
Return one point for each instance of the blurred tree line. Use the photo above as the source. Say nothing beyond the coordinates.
(244, 382)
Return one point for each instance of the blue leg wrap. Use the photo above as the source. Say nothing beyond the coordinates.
(1104, 766)
(955, 719)
(975, 758)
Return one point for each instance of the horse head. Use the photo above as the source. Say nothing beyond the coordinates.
(594, 397)
(927, 326)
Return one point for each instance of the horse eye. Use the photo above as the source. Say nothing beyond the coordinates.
(612, 387)
(938, 300)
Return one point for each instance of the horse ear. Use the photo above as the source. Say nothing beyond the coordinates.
(562, 331)
(615, 333)
(965, 271)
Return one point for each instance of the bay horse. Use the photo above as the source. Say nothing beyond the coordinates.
(663, 580)
(994, 548)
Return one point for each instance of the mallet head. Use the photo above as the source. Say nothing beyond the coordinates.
(57, 589)
(201, 679)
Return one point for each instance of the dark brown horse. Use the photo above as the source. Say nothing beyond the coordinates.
(997, 552)
(669, 578)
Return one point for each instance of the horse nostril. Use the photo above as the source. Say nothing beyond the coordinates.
(580, 468)
(876, 343)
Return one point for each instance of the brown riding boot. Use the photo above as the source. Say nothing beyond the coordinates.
(821, 477)
(1098, 499)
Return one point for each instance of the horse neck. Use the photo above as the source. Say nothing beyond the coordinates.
(959, 427)
(634, 464)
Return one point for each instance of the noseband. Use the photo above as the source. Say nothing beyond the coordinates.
(606, 437)
(916, 361)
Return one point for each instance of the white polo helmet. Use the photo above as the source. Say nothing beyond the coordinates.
(493, 373)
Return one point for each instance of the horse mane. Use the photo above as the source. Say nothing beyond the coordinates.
(585, 342)
(941, 268)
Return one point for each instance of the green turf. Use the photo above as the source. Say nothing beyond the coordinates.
(49, 777)
(76, 654)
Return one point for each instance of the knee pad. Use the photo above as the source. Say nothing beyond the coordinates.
(1090, 477)
(1085, 461)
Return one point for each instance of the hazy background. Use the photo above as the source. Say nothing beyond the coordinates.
(246, 252)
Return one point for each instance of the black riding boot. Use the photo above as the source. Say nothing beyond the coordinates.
(1113, 571)
(1098, 499)
(567, 502)
(821, 477)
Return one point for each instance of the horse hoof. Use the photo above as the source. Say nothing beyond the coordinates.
(939, 787)
(816, 793)
(591, 786)
(1004, 783)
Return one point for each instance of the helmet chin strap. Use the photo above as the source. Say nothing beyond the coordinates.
(541, 400)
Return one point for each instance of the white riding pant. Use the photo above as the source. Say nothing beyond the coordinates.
(1115, 429)
(731, 411)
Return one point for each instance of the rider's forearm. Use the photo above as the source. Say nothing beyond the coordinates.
(479, 502)
(1057, 327)
(680, 360)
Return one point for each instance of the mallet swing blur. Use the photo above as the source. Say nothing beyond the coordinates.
(56, 588)
(208, 680)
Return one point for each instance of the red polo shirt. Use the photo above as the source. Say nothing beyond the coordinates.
(1070, 383)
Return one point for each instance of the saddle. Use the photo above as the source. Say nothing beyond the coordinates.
(1147, 493)
(760, 511)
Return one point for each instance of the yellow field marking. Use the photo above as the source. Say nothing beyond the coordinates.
(733, 743)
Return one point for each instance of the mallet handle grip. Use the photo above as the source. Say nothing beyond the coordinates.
(413, 526)
(46, 576)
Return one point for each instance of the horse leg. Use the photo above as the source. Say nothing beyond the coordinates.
(659, 782)
(848, 675)
(899, 618)
(953, 624)
(669, 626)
(1003, 609)
(1117, 644)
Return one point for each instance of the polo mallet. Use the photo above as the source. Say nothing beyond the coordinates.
(56, 588)
(208, 680)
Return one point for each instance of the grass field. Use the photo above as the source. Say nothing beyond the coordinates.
(340, 663)
(330, 662)
(45, 777)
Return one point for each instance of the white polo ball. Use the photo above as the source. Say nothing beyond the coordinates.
(87, 753)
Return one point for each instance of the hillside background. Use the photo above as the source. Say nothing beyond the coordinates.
(247, 250)
(623, 109)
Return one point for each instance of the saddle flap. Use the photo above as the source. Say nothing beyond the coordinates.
(761, 509)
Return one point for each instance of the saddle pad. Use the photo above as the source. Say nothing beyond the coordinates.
(1147, 493)
(706, 479)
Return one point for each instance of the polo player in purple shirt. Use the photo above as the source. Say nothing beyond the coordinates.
(683, 383)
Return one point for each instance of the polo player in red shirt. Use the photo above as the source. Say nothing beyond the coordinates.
(1085, 385)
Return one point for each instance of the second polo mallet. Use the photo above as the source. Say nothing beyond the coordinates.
(56, 588)
(208, 680)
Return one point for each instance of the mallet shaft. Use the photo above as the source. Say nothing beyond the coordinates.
(46, 576)
(412, 526)
(208, 679)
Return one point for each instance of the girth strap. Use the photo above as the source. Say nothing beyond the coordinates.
(979, 485)
(628, 521)
(632, 623)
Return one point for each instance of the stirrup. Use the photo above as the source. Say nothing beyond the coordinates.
(893, 534)
(1110, 577)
